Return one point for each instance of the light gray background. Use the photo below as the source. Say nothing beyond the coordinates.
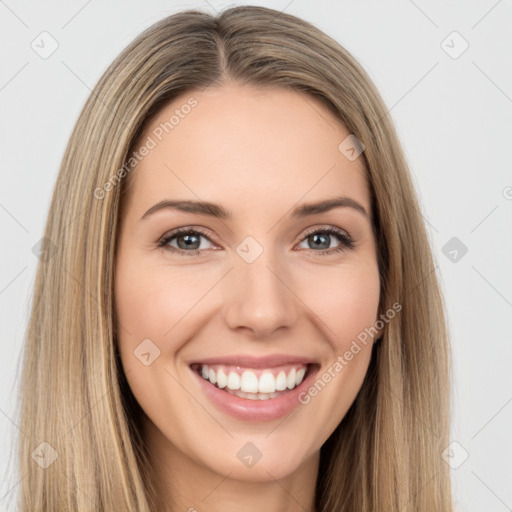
(453, 116)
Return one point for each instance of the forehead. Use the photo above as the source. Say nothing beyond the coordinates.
(247, 146)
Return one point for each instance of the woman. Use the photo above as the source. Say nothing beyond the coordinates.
(189, 348)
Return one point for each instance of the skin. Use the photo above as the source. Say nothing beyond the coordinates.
(259, 153)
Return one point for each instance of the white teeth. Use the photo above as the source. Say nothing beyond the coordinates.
(300, 376)
(249, 382)
(233, 380)
(222, 379)
(267, 383)
(281, 382)
(263, 387)
(291, 379)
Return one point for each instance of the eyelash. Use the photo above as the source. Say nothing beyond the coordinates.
(345, 239)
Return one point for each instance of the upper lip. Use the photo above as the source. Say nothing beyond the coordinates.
(248, 361)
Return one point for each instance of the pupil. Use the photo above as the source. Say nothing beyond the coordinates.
(188, 242)
(326, 244)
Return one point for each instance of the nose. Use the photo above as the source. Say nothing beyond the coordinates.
(260, 298)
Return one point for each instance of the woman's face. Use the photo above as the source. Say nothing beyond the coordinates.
(253, 286)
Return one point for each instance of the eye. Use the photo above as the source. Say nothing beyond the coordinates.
(188, 241)
(320, 238)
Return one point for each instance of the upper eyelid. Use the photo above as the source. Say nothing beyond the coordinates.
(325, 227)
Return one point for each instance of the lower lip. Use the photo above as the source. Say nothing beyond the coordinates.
(256, 410)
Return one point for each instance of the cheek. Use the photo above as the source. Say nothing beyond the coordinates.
(158, 311)
(347, 307)
(151, 300)
(346, 301)
(150, 306)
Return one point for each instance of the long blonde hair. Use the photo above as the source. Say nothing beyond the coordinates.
(385, 455)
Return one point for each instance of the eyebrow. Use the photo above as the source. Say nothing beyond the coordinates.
(218, 211)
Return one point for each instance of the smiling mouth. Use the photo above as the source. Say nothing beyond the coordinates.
(251, 383)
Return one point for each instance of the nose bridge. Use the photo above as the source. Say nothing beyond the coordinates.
(259, 298)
